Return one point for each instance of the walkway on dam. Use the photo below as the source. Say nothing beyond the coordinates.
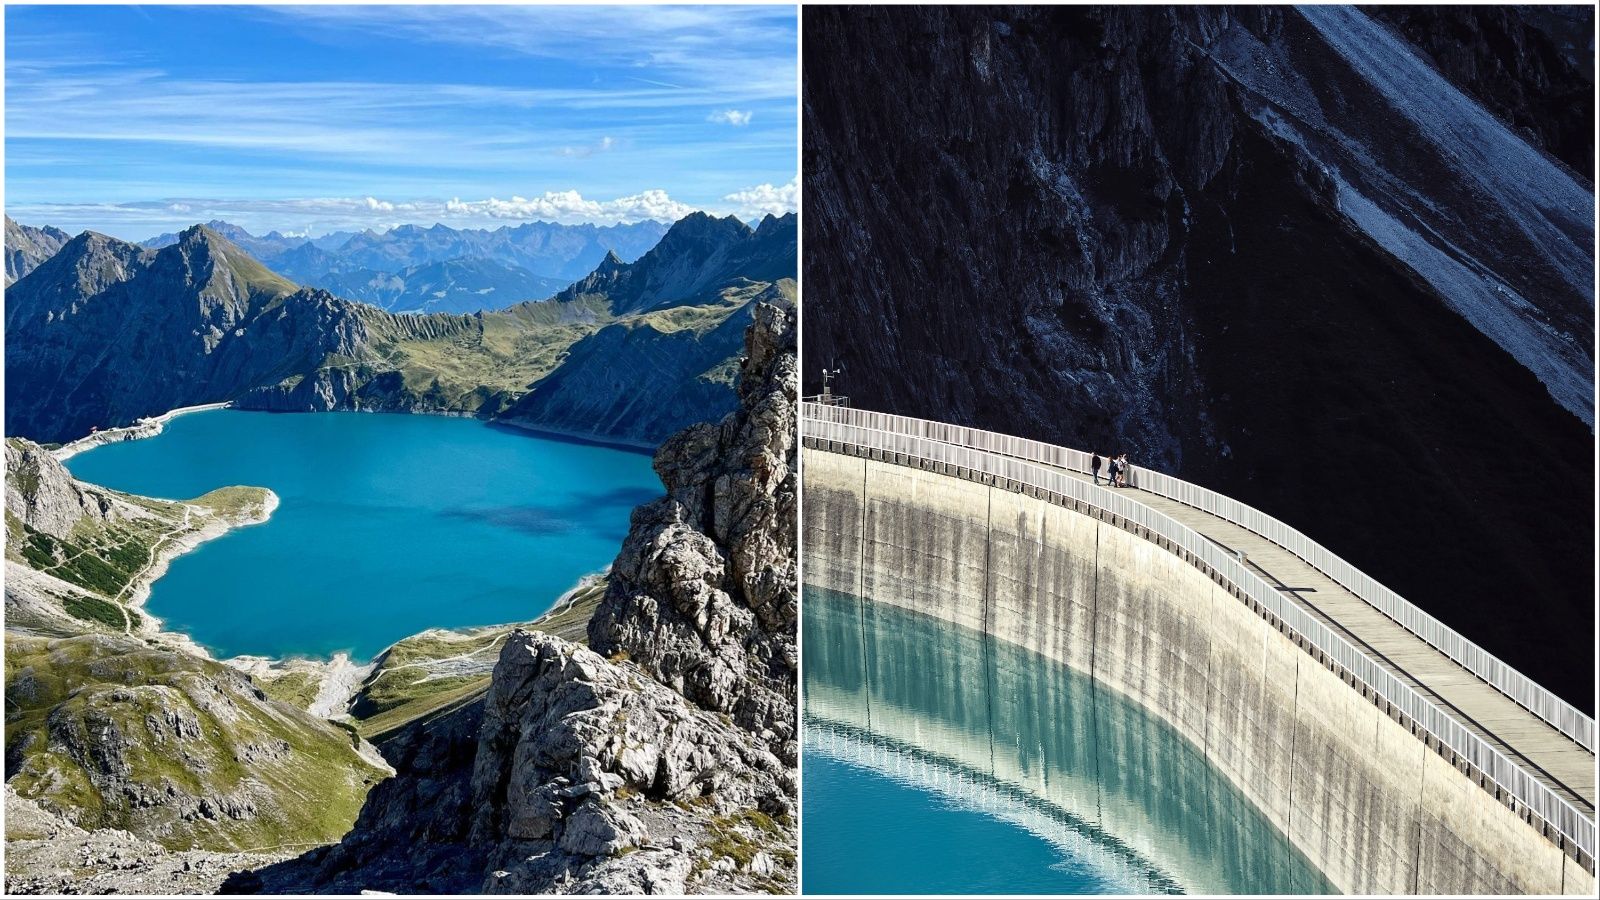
(1552, 757)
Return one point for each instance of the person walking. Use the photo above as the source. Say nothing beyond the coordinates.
(1094, 466)
(1122, 470)
(1111, 472)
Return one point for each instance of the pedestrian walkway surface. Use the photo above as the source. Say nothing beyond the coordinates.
(1547, 754)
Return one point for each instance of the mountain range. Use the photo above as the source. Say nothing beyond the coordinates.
(412, 268)
(106, 332)
(1338, 267)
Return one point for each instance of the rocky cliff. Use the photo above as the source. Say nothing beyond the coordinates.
(1269, 250)
(662, 760)
(27, 247)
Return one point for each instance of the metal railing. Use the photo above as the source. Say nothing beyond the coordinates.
(1510, 777)
(1522, 690)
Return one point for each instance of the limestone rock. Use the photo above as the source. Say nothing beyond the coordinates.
(703, 593)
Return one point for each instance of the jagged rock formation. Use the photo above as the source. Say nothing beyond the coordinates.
(27, 247)
(1268, 250)
(667, 767)
(107, 332)
(703, 595)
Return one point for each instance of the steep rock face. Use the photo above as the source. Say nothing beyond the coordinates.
(27, 247)
(703, 595)
(1212, 238)
(43, 494)
(667, 768)
(1531, 66)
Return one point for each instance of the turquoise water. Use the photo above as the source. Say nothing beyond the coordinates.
(940, 761)
(388, 525)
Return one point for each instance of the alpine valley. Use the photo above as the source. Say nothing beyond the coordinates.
(637, 737)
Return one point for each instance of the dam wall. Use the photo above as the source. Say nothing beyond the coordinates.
(1375, 807)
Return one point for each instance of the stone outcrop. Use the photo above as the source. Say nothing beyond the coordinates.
(1223, 241)
(662, 760)
(703, 595)
(44, 496)
(46, 854)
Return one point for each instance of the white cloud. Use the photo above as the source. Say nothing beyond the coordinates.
(571, 206)
(764, 199)
(309, 216)
(733, 117)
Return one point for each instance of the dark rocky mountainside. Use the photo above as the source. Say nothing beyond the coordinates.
(1269, 250)
(27, 247)
(665, 765)
(1533, 66)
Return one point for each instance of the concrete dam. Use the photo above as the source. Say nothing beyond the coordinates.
(1389, 752)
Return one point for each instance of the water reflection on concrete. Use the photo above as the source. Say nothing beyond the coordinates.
(996, 727)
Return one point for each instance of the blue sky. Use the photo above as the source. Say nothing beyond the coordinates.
(138, 120)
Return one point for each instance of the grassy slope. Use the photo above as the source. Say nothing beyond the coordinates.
(98, 727)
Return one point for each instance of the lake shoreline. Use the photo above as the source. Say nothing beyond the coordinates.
(338, 676)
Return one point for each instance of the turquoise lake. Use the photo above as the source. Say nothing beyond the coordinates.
(387, 525)
(941, 761)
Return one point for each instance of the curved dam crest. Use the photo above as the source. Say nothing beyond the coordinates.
(1370, 804)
